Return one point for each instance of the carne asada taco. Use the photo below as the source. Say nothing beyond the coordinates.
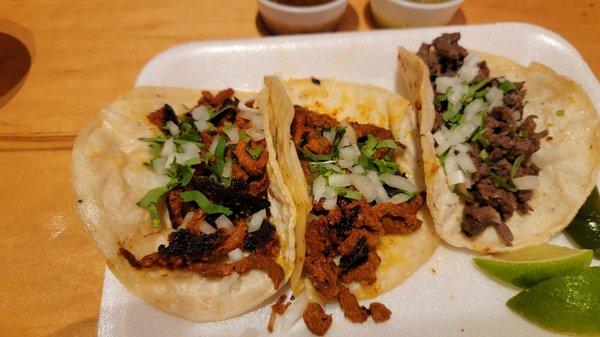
(510, 152)
(352, 160)
(184, 198)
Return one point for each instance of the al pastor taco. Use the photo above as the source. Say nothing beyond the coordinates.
(352, 160)
(183, 195)
(510, 152)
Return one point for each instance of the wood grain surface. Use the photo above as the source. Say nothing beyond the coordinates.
(83, 54)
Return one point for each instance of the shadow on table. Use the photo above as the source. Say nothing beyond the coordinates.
(17, 48)
(88, 327)
(348, 22)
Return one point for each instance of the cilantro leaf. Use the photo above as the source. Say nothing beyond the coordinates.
(256, 152)
(315, 157)
(507, 86)
(220, 156)
(516, 165)
(346, 193)
(149, 201)
(206, 205)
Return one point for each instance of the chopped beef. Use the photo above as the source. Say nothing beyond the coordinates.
(379, 312)
(234, 238)
(362, 130)
(175, 207)
(323, 274)
(238, 173)
(255, 261)
(399, 218)
(491, 199)
(212, 270)
(216, 101)
(352, 310)
(161, 116)
(318, 145)
(316, 320)
(193, 225)
(252, 166)
(444, 56)
(307, 125)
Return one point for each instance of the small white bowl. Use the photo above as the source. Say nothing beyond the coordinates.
(404, 13)
(288, 19)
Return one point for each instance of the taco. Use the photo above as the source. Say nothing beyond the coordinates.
(352, 161)
(510, 152)
(183, 195)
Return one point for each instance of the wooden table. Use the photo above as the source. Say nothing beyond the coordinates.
(85, 53)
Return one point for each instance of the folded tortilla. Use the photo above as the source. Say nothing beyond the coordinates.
(109, 179)
(568, 158)
(400, 255)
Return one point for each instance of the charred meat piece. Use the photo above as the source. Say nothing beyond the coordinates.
(183, 243)
(357, 256)
(240, 202)
(366, 272)
(257, 239)
(316, 320)
(161, 116)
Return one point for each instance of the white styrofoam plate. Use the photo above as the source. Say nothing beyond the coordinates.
(447, 296)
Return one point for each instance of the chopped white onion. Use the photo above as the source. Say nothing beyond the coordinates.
(527, 182)
(469, 70)
(224, 222)
(465, 162)
(159, 165)
(256, 220)
(258, 122)
(399, 198)
(190, 151)
(236, 255)
(255, 134)
(332, 167)
(188, 216)
(201, 113)
(494, 97)
(170, 160)
(349, 155)
(233, 134)
(247, 112)
(206, 228)
(398, 182)
(168, 148)
(442, 83)
(381, 193)
(172, 127)
(201, 125)
(357, 169)
(227, 168)
(349, 137)
(339, 180)
(293, 313)
(318, 188)
(458, 91)
(330, 203)
(365, 187)
(330, 134)
(453, 173)
(213, 145)
(471, 111)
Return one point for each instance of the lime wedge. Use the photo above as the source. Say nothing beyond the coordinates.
(566, 304)
(530, 266)
(585, 228)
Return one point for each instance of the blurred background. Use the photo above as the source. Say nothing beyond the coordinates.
(61, 61)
